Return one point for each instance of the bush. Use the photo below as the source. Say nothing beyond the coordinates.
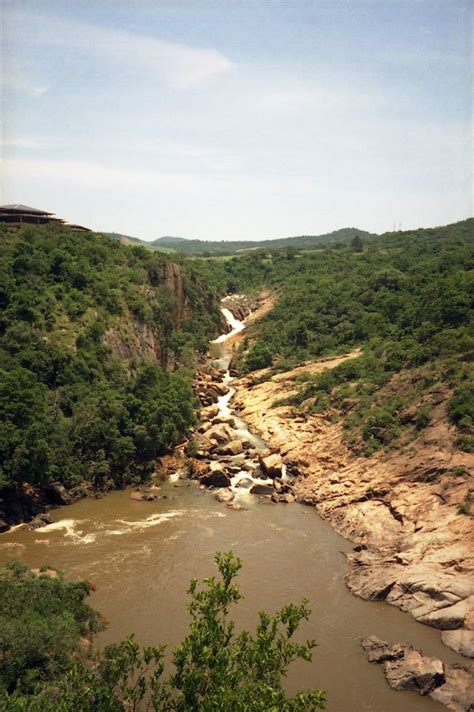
(422, 418)
(259, 357)
(41, 622)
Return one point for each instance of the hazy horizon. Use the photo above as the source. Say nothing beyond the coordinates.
(255, 121)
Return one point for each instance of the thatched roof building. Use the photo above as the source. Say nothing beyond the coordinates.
(18, 214)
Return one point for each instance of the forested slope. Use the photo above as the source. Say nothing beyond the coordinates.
(95, 338)
(405, 298)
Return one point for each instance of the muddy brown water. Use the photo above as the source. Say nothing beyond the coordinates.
(142, 555)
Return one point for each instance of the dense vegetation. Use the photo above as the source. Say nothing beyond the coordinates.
(75, 410)
(405, 298)
(215, 668)
(42, 620)
(214, 248)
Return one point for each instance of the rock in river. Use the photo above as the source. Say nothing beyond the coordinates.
(234, 447)
(41, 520)
(262, 489)
(272, 465)
(224, 495)
(408, 669)
(216, 479)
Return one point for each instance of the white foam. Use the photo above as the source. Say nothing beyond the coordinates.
(151, 521)
(69, 527)
(223, 403)
(236, 326)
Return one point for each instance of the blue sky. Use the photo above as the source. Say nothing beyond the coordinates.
(246, 119)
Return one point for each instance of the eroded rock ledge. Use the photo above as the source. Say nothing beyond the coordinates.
(412, 547)
(406, 668)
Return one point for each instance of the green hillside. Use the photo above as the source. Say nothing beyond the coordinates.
(212, 248)
(405, 298)
(95, 343)
(228, 247)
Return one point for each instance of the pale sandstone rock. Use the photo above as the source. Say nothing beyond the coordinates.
(460, 640)
(224, 495)
(234, 447)
(457, 693)
(415, 672)
(449, 617)
(272, 465)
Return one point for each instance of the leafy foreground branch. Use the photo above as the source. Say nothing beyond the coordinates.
(215, 668)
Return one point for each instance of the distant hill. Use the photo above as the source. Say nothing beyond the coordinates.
(229, 247)
(128, 240)
(223, 247)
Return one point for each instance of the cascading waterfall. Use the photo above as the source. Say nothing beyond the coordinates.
(239, 425)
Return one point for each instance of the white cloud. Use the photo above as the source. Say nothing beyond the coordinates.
(15, 82)
(178, 64)
(26, 142)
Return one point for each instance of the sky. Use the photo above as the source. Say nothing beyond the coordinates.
(238, 119)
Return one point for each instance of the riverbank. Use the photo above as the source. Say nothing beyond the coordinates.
(410, 551)
(402, 509)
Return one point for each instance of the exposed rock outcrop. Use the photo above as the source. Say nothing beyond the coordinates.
(406, 668)
(413, 548)
(58, 494)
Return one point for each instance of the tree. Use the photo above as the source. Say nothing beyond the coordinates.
(357, 244)
(216, 669)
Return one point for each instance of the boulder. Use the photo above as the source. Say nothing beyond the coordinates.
(415, 672)
(405, 668)
(234, 447)
(210, 412)
(262, 489)
(138, 496)
(235, 505)
(227, 419)
(224, 495)
(461, 640)
(250, 466)
(58, 494)
(457, 693)
(205, 425)
(221, 433)
(379, 651)
(245, 482)
(4, 527)
(220, 388)
(216, 479)
(41, 520)
(286, 498)
(271, 465)
(449, 617)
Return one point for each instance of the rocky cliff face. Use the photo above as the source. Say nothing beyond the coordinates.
(132, 338)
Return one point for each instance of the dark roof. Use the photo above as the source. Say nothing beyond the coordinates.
(18, 207)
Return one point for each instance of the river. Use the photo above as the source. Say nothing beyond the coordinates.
(142, 555)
